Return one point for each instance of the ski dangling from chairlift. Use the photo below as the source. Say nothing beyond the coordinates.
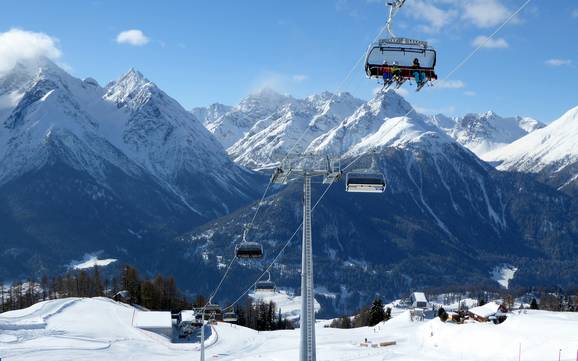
(265, 286)
(248, 250)
(397, 60)
(366, 180)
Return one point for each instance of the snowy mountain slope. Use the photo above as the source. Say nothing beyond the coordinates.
(74, 156)
(91, 329)
(485, 132)
(208, 115)
(446, 216)
(174, 146)
(266, 125)
(289, 305)
(231, 126)
(551, 151)
(364, 122)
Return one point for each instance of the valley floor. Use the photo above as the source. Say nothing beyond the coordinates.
(101, 329)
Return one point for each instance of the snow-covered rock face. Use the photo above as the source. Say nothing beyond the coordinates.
(127, 156)
(162, 135)
(264, 126)
(211, 113)
(363, 123)
(131, 124)
(551, 151)
(485, 132)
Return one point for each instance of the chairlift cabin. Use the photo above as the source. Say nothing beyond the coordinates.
(265, 286)
(212, 308)
(249, 250)
(364, 182)
(230, 317)
(386, 55)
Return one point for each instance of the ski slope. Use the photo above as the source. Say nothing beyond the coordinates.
(101, 329)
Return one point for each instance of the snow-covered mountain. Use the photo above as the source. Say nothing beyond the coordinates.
(381, 122)
(485, 132)
(208, 115)
(551, 152)
(446, 216)
(266, 125)
(234, 124)
(127, 156)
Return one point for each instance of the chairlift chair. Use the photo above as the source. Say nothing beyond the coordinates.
(247, 249)
(366, 180)
(230, 316)
(395, 53)
(400, 53)
(212, 308)
(266, 285)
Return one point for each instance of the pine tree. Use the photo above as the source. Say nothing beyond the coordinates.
(442, 314)
(534, 304)
(387, 315)
(97, 283)
(376, 312)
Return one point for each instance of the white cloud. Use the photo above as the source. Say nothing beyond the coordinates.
(449, 84)
(558, 62)
(133, 37)
(575, 13)
(17, 45)
(470, 93)
(490, 43)
(485, 13)
(299, 78)
(436, 17)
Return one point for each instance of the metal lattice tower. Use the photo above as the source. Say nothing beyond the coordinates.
(306, 167)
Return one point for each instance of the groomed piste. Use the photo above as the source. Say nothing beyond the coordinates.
(101, 329)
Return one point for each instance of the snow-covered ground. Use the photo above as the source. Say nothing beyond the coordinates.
(504, 274)
(289, 305)
(92, 261)
(100, 329)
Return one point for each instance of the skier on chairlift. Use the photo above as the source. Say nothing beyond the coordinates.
(387, 74)
(395, 72)
(419, 76)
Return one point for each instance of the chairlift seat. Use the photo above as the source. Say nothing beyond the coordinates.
(403, 52)
(266, 286)
(230, 317)
(249, 250)
(365, 183)
(212, 308)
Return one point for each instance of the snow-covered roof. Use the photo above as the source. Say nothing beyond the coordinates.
(419, 297)
(153, 319)
(188, 315)
(486, 310)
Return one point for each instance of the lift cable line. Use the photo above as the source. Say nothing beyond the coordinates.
(339, 88)
(459, 66)
(487, 40)
(341, 85)
(282, 250)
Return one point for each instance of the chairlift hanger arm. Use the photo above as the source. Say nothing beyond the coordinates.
(394, 7)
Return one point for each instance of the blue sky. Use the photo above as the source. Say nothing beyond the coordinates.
(219, 51)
